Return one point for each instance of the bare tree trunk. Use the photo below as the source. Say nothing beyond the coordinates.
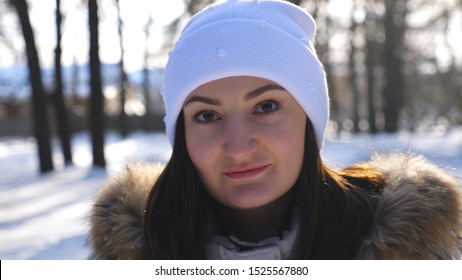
(323, 50)
(325, 59)
(393, 92)
(353, 75)
(371, 51)
(371, 110)
(58, 98)
(454, 85)
(123, 118)
(296, 2)
(194, 6)
(457, 77)
(96, 98)
(148, 118)
(40, 120)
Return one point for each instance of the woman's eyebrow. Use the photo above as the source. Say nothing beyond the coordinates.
(259, 91)
(206, 100)
(251, 95)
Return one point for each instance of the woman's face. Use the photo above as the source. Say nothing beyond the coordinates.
(245, 136)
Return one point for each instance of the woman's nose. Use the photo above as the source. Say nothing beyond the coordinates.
(240, 140)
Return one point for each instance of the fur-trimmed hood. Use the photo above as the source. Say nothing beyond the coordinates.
(418, 216)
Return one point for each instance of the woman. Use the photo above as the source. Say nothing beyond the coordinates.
(246, 112)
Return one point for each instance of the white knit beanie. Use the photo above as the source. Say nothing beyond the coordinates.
(269, 39)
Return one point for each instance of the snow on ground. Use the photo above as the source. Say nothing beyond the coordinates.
(45, 216)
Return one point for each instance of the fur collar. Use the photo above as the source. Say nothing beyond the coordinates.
(419, 215)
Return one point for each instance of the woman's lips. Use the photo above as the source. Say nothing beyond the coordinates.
(245, 172)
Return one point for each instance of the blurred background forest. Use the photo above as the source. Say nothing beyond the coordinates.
(96, 65)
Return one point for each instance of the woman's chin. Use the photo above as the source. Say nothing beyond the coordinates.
(250, 196)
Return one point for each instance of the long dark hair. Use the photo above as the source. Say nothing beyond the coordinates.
(334, 208)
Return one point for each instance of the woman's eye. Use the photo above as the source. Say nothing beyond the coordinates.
(206, 117)
(267, 107)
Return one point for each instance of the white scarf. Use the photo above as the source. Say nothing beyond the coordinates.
(231, 248)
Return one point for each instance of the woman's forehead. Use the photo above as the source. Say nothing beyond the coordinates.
(237, 83)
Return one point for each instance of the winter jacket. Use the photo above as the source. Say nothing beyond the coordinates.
(418, 213)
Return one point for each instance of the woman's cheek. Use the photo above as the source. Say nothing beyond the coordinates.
(202, 145)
